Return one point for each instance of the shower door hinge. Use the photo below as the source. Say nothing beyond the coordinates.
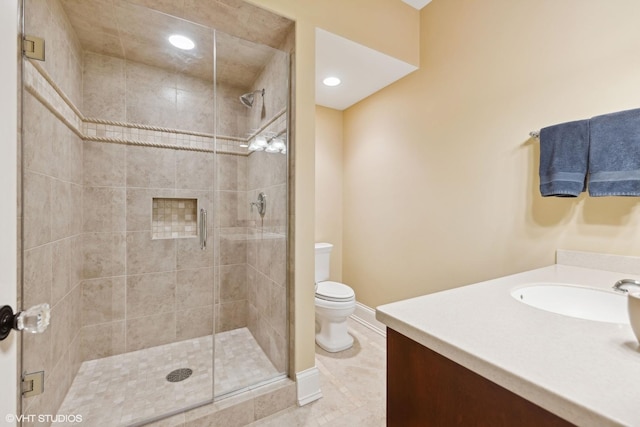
(33, 47)
(32, 384)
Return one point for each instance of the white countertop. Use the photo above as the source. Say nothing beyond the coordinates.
(583, 371)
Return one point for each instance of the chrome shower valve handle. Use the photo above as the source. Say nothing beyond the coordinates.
(261, 204)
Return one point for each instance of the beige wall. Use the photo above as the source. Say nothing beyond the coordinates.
(446, 151)
(329, 179)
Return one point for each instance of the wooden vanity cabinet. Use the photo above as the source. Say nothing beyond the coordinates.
(426, 389)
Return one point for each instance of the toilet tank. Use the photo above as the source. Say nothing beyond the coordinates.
(323, 261)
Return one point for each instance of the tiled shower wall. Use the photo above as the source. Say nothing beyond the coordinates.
(266, 247)
(139, 291)
(125, 91)
(52, 233)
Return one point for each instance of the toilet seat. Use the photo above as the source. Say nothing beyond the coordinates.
(334, 291)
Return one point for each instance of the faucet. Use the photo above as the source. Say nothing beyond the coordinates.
(623, 285)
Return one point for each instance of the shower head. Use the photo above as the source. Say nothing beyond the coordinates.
(248, 98)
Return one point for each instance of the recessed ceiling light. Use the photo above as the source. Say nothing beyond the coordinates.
(331, 81)
(181, 42)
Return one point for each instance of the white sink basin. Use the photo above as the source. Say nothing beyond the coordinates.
(574, 301)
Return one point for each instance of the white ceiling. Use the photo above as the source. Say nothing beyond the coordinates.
(363, 71)
(418, 4)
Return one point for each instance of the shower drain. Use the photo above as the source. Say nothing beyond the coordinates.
(179, 375)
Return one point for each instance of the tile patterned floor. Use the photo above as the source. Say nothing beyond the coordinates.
(353, 386)
(128, 388)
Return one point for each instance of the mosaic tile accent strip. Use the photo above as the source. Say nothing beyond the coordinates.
(129, 388)
(172, 218)
(96, 130)
(38, 83)
(51, 96)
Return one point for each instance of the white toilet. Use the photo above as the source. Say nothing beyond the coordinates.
(334, 303)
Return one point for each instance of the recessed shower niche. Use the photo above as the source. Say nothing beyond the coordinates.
(174, 218)
(125, 140)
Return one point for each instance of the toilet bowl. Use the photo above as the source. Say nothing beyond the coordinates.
(334, 303)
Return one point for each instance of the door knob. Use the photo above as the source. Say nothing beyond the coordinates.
(34, 320)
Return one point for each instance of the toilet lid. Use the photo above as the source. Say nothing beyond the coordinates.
(334, 291)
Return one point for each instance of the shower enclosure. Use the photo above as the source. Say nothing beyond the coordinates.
(154, 205)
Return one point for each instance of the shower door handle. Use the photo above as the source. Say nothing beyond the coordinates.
(35, 320)
(203, 229)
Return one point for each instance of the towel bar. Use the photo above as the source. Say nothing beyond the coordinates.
(534, 134)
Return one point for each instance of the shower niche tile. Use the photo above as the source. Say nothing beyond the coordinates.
(174, 218)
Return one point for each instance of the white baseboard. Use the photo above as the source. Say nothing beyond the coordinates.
(308, 382)
(367, 316)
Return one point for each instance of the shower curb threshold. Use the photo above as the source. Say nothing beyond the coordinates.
(242, 408)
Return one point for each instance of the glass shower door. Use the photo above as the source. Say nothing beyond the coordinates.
(252, 83)
(118, 191)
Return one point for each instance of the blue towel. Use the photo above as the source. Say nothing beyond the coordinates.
(564, 156)
(614, 156)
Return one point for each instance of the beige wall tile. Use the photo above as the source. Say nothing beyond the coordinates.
(189, 255)
(75, 300)
(231, 315)
(62, 209)
(37, 265)
(104, 88)
(233, 282)
(106, 339)
(233, 119)
(194, 170)
(76, 260)
(103, 209)
(36, 352)
(61, 270)
(233, 249)
(229, 209)
(277, 311)
(194, 288)
(274, 401)
(104, 255)
(103, 300)
(146, 255)
(141, 74)
(152, 105)
(140, 205)
(60, 329)
(194, 322)
(37, 210)
(227, 171)
(150, 331)
(75, 220)
(75, 355)
(252, 286)
(277, 350)
(75, 148)
(195, 110)
(149, 167)
(151, 95)
(56, 384)
(104, 164)
(60, 143)
(149, 294)
(37, 125)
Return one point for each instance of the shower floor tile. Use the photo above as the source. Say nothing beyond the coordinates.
(129, 388)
